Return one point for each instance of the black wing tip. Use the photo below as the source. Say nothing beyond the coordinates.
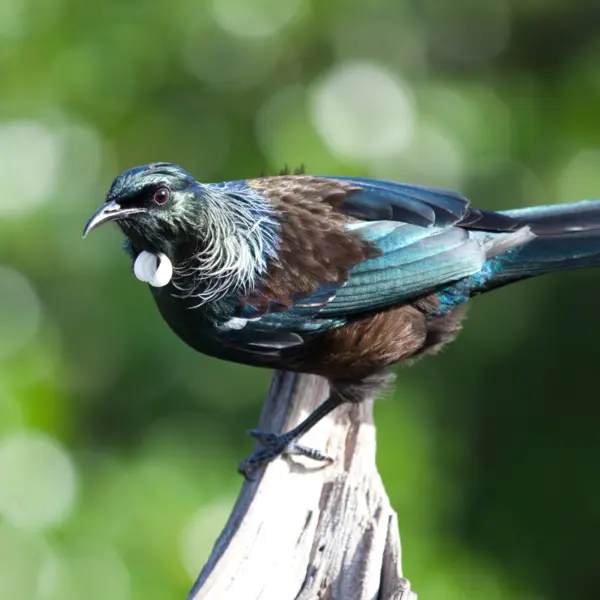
(485, 220)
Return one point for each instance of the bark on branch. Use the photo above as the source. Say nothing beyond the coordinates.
(304, 531)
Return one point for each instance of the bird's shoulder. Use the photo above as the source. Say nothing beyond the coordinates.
(316, 248)
(321, 196)
(364, 198)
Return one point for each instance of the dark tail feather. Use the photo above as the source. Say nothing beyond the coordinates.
(567, 237)
(570, 217)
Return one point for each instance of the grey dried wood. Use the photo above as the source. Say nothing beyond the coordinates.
(304, 531)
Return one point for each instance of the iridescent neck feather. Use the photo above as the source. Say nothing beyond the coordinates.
(237, 236)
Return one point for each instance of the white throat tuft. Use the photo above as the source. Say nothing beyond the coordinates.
(155, 269)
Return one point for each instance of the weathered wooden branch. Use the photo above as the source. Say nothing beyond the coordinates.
(305, 531)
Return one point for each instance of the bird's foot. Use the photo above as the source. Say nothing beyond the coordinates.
(277, 445)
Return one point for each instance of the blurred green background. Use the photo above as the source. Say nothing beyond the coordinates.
(119, 445)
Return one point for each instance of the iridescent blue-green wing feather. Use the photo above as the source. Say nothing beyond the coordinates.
(414, 262)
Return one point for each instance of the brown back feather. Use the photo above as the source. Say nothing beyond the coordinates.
(315, 249)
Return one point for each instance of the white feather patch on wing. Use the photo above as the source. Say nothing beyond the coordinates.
(155, 269)
(236, 323)
(233, 323)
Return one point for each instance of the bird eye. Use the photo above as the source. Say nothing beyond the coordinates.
(161, 196)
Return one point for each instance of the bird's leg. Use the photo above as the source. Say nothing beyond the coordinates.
(287, 443)
(274, 445)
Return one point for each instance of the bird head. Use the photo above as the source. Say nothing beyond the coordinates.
(155, 206)
(217, 238)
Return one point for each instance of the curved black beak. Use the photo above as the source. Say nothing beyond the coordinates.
(110, 211)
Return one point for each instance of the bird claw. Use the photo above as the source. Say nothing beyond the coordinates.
(274, 446)
(263, 437)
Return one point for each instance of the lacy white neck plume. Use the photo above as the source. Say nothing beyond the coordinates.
(236, 238)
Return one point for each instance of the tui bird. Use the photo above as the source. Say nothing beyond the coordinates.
(335, 276)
